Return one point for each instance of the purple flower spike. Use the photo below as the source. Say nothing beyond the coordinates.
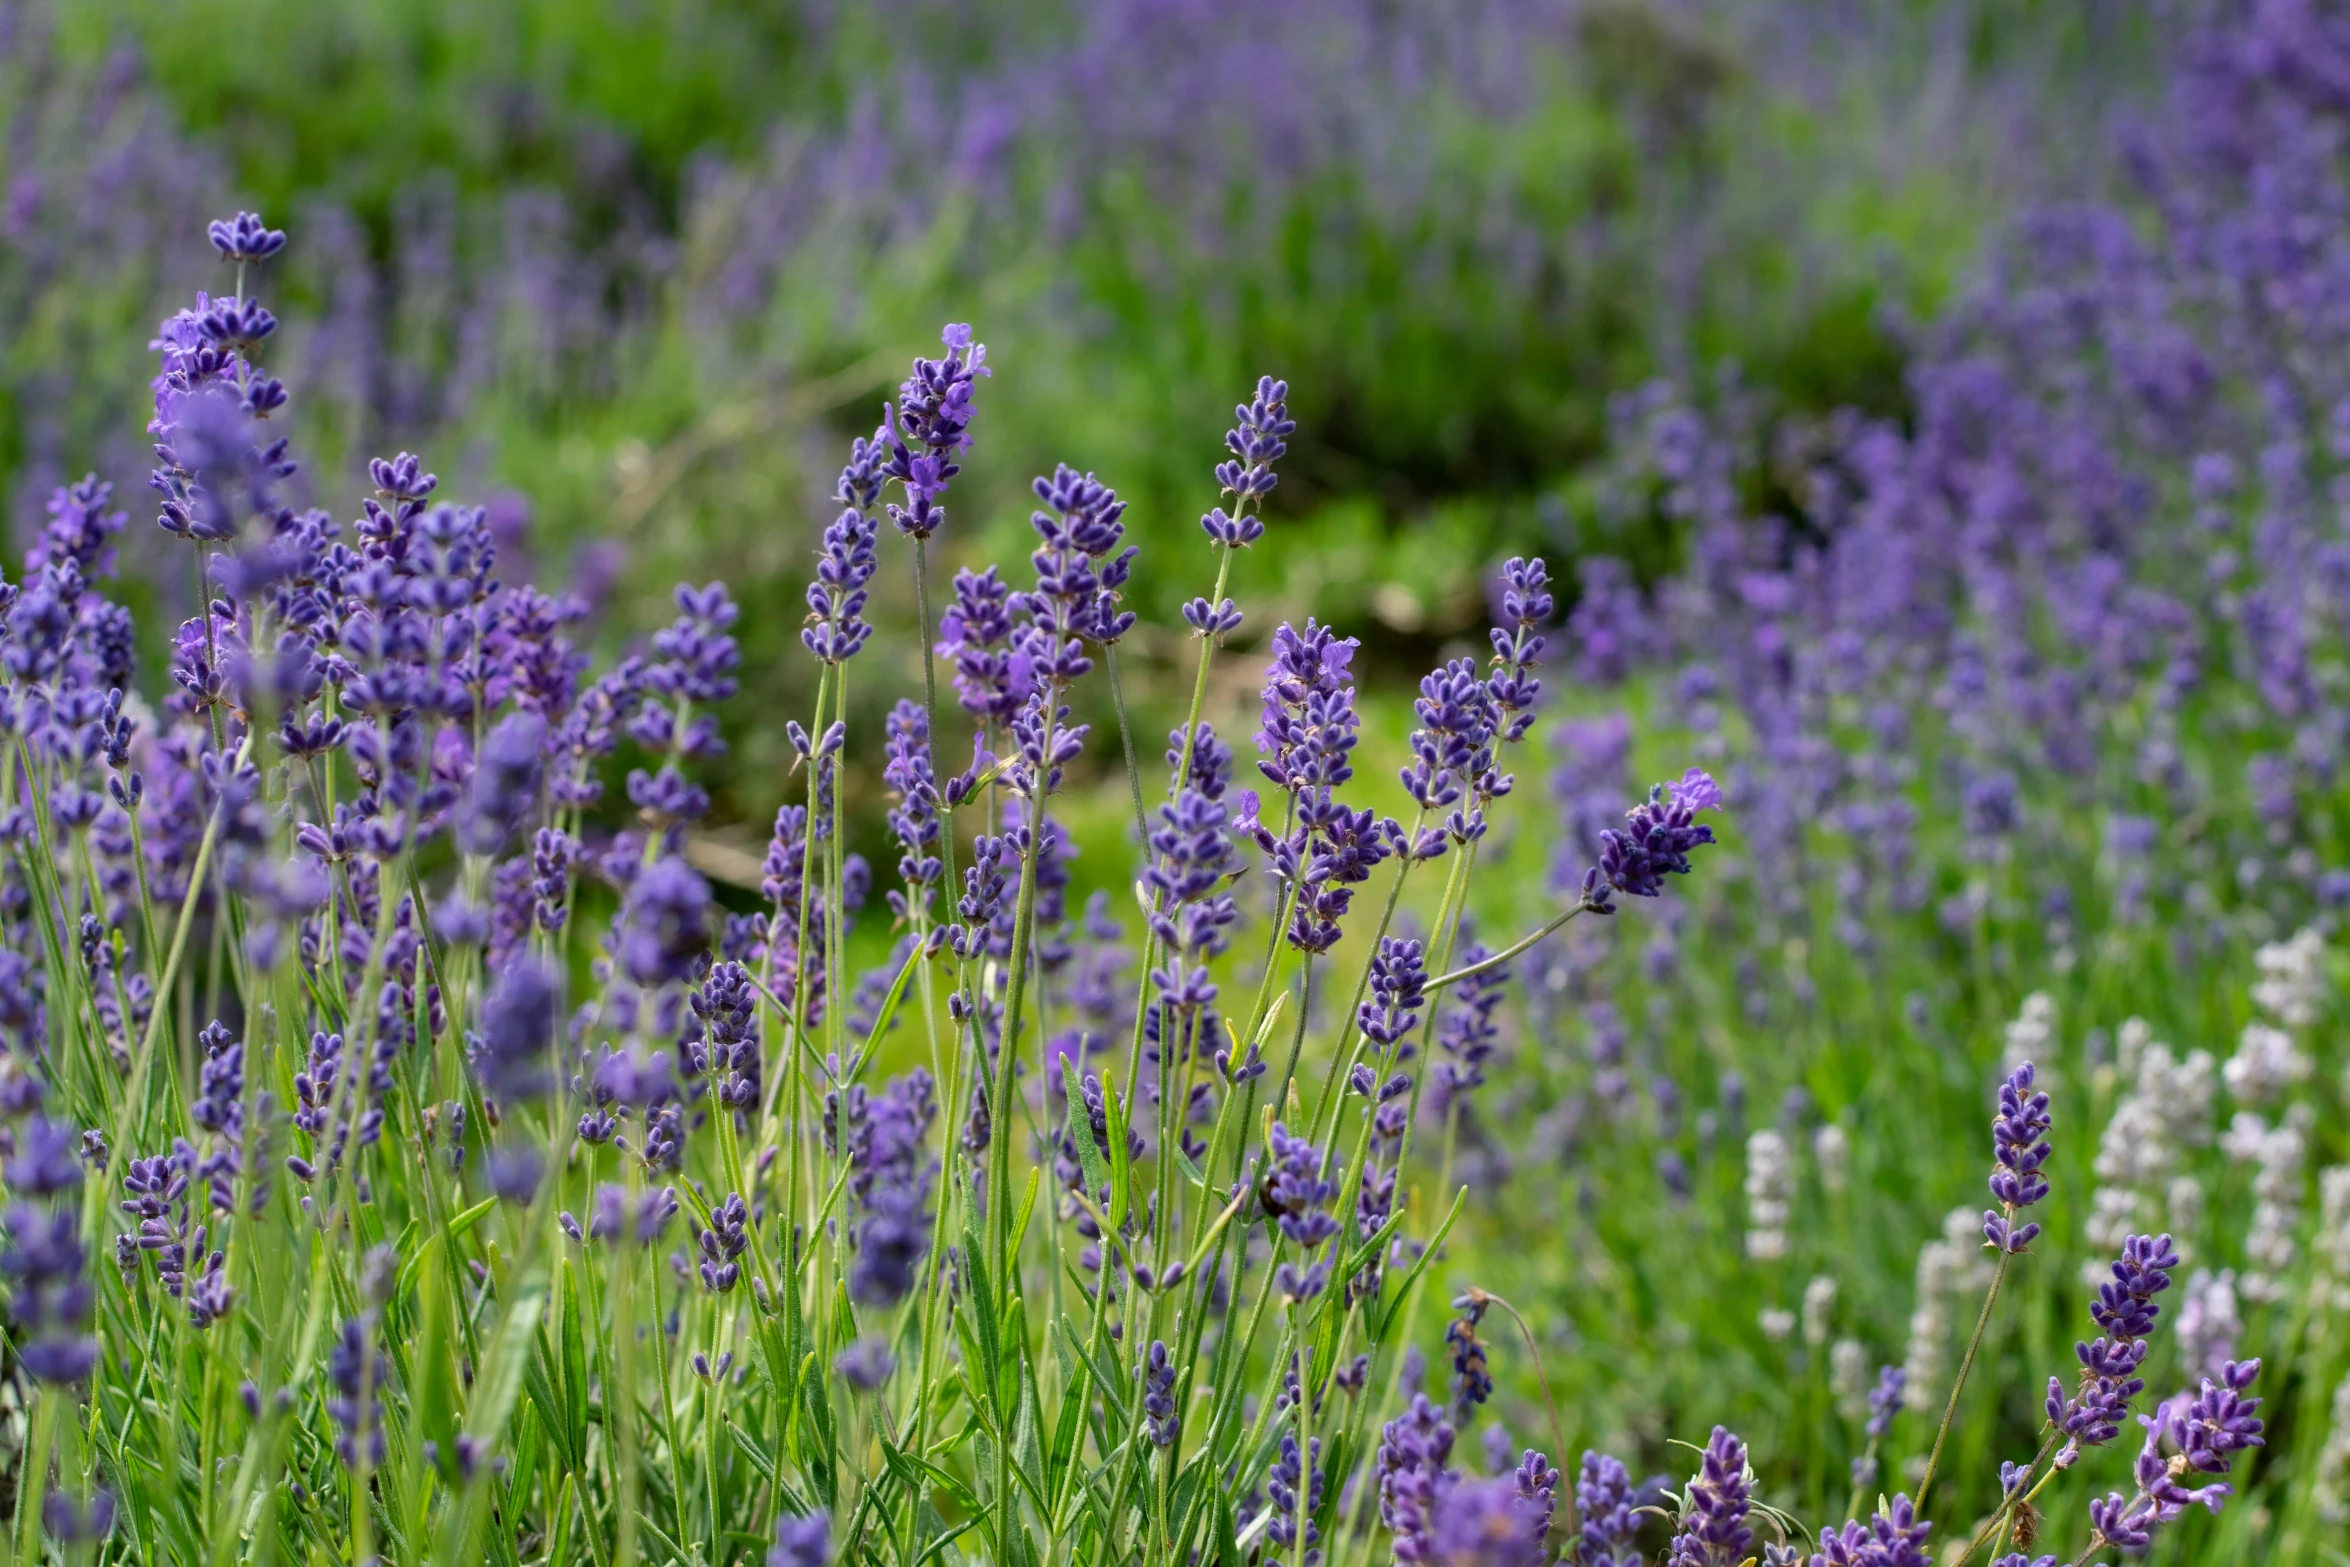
(1398, 978)
(1604, 1496)
(1258, 439)
(245, 238)
(836, 628)
(1487, 1523)
(1296, 1193)
(891, 1174)
(1526, 604)
(802, 1542)
(1160, 1421)
(2019, 1146)
(1895, 1539)
(1657, 837)
(1713, 1513)
(928, 427)
(2202, 1434)
(2125, 1309)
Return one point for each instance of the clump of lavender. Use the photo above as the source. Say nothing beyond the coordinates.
(376, 791)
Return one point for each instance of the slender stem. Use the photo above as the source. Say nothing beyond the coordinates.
(2019, 1497)
(1974, 1343)
(1142, 830)
(1558, 1432)
(1471, 970)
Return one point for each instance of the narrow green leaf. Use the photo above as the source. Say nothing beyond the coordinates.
(571, 1335)
(1121, 1167)
(1386, 1314)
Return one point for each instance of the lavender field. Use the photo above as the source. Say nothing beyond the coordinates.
(1175, 783)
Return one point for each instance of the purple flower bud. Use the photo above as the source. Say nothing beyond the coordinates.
(2018, 1149)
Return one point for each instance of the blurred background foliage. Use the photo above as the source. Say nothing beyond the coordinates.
(634, 272)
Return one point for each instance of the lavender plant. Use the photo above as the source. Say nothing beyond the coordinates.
(436, 1240)
(481, 1180)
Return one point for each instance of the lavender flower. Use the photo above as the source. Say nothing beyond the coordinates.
(517, 1027)
(2125, 1309)
(1538, 1486)
(357, 1370)
(1282, 1484)
(1517, 648)
(245, 238)
(928, 427)
(913, 818)
(1713, 1530)
(836, 628)
(1306, 739)
(802, 1541)
(1398, 981)
(50, 1294)
(1603, 1495)
(722, 1244)
(865, 1365)
(1258, 439)
(1487, 1523)
(724, 1007)
(1161, 1421)
(1450, 748)
(1295, 1194)
(1465, 1030)
(1885, 1400)
(1190, 914)
(2206, 1433)
(663, 924)
(2019, 1147)
(1658, 836)
(891, 1173)
(993, 679)
(1411, 1473)
(1472, 1382)
(1895, 1539)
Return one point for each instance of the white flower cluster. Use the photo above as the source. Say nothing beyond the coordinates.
(1819, 1309)
(1831, 1147)
(2330, 1289)
(2266, 1064)
(1850, 1377)
(2333, 1463)
(1770, 1187)
(2292, 983)
(2165, 1109)
(2209, 1323)
(2032, 1035)
(1951, 1270)
(2277, 1153)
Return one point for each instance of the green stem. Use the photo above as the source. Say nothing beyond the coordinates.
(1973, 1344)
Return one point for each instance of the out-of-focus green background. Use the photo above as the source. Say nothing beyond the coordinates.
(636, 270)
